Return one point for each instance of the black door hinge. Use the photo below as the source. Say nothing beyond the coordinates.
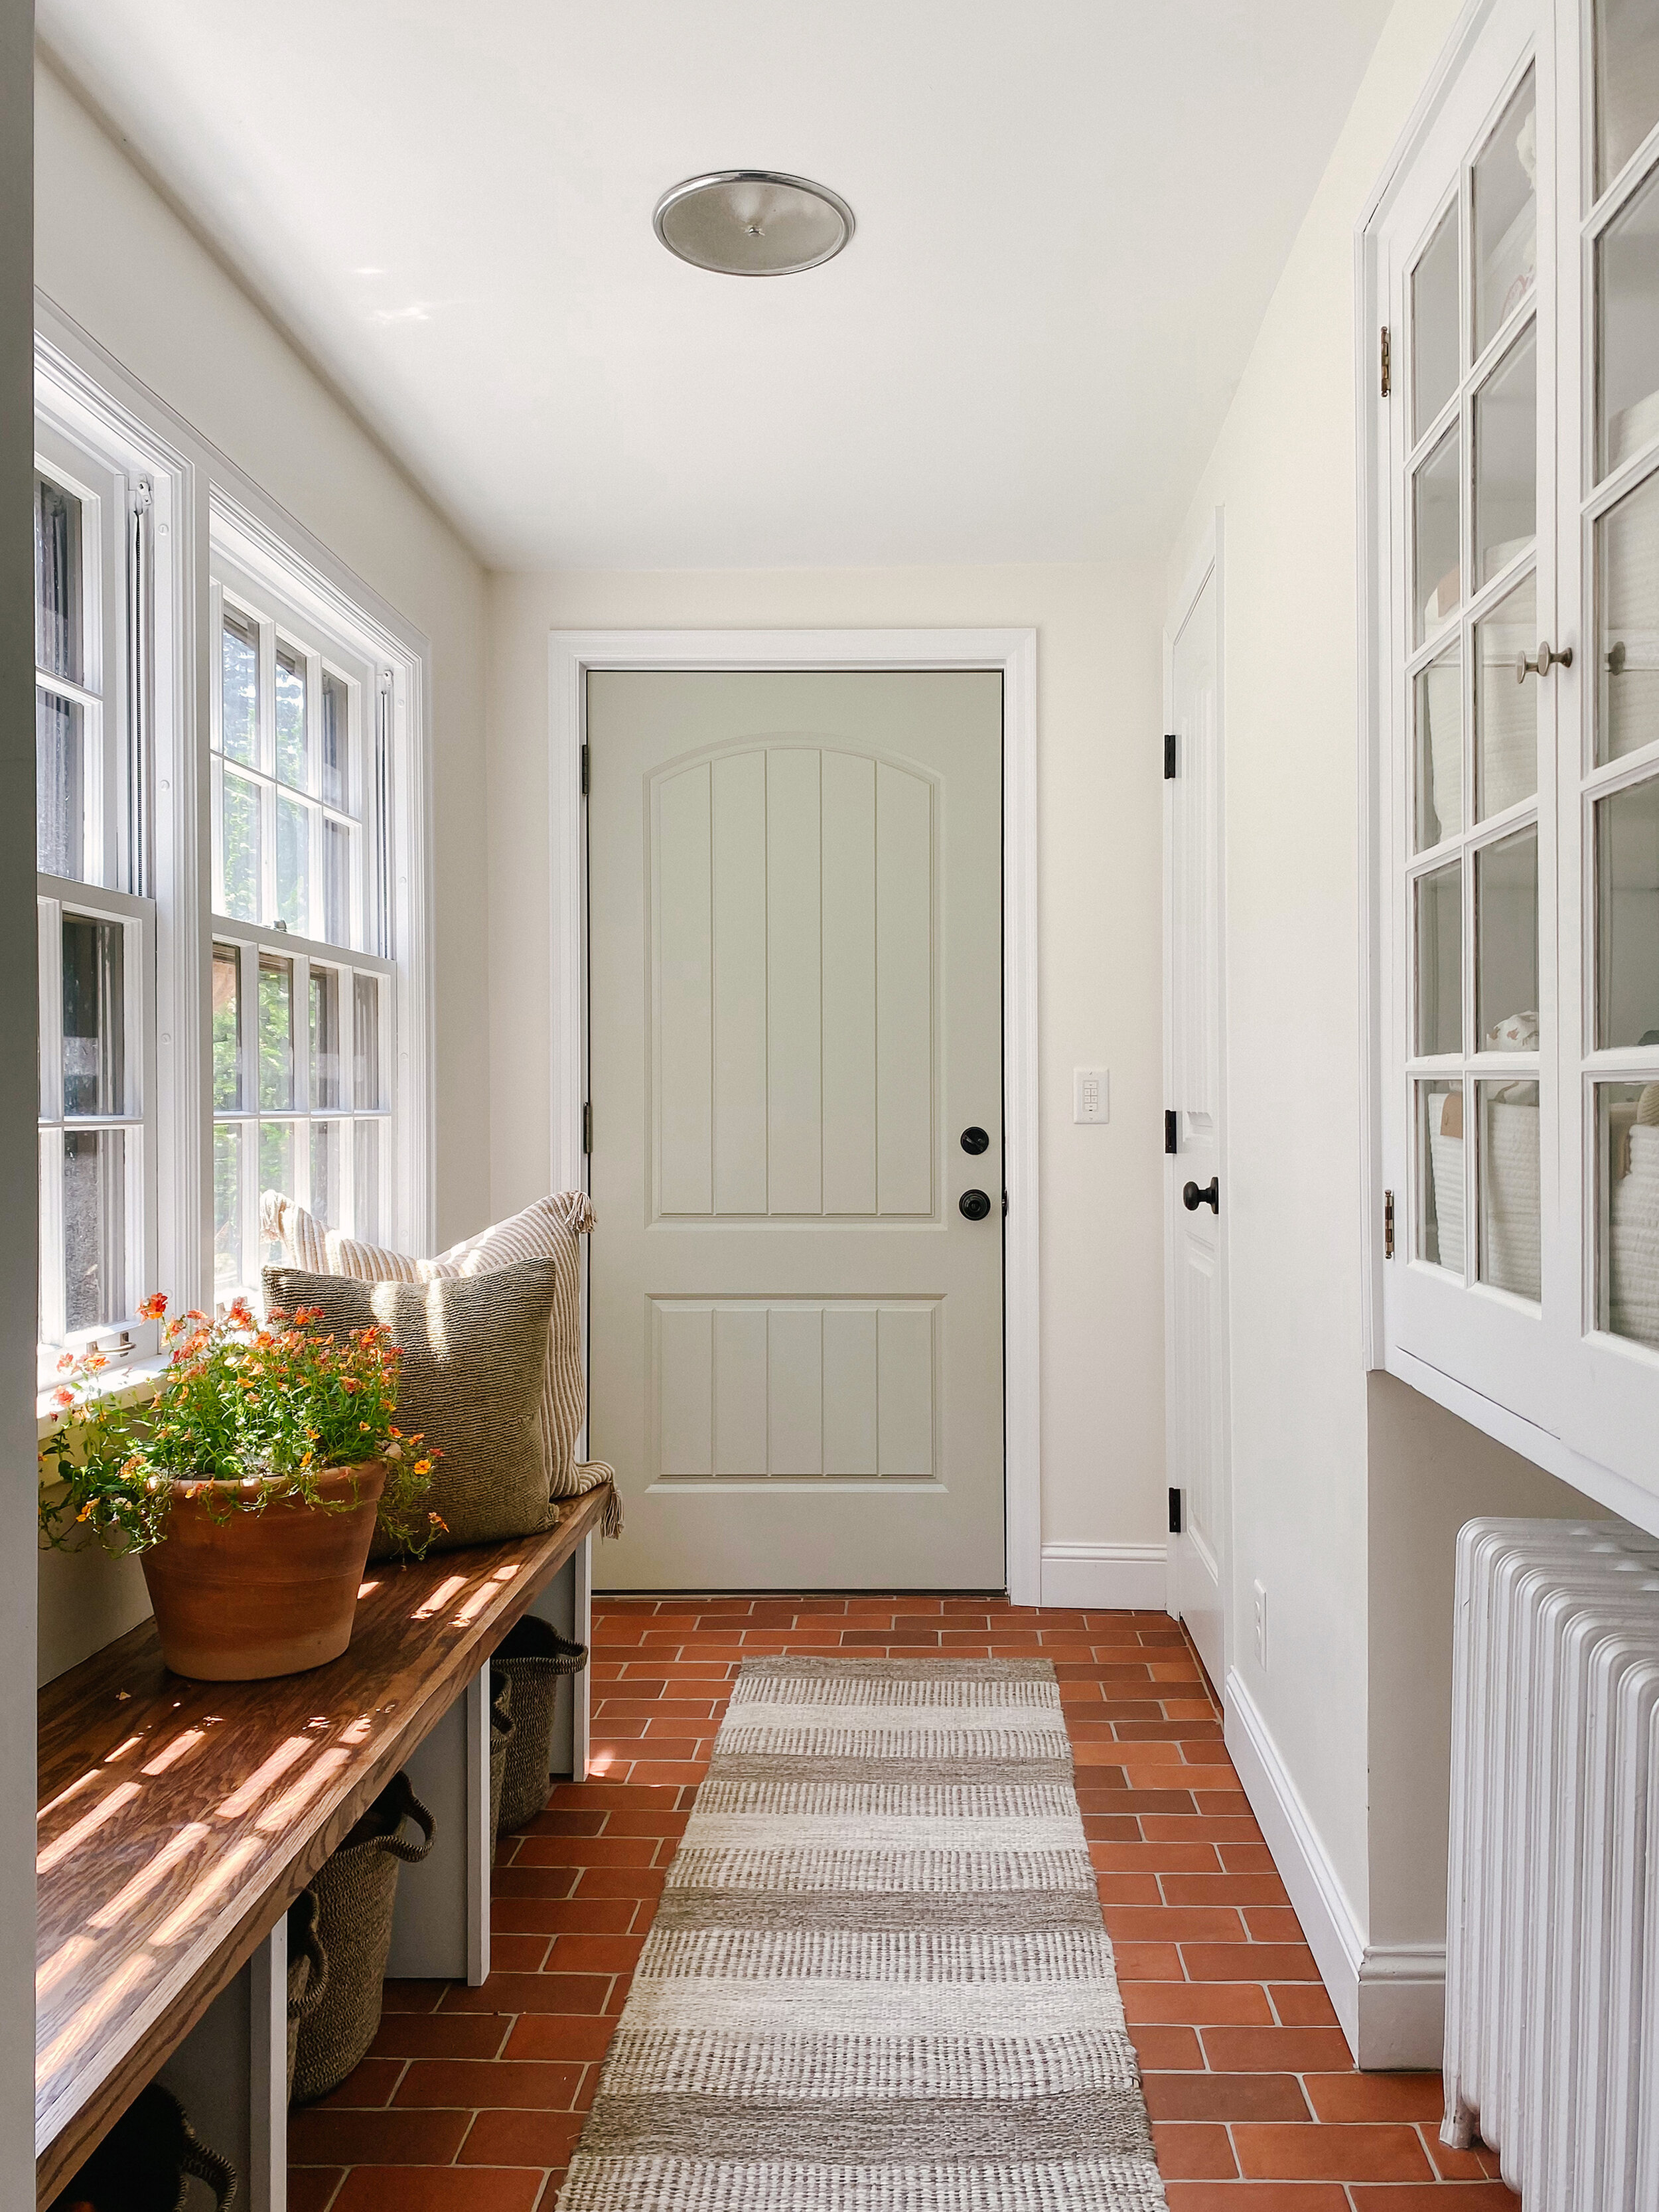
(1176, 1517)
(1388, 1225)
(584, 771)
(588, 1126)
(1171, 1125)
(1169, 756)
(1386, 362)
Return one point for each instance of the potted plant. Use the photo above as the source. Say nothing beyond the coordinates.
(249, 1484)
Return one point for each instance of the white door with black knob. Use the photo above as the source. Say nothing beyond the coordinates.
(1195, 1182)
(795, 1026)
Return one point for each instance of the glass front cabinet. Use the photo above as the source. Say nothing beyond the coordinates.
(1514, 543)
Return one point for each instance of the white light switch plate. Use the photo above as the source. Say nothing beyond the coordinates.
(1091, 1094)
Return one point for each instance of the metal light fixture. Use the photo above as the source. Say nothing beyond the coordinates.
(753, 222)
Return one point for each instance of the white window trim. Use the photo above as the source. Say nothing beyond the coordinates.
(202, 504)
(1619, 1492)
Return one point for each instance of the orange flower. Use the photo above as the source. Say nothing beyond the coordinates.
(423, 1466)
(62, 1397)
(154, 1306)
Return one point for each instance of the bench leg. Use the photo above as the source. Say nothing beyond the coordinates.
(441, 1929)
(230, 2074)
(567, 1603)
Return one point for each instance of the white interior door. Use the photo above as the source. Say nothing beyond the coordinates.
(795, 1027)
(1194, 1199)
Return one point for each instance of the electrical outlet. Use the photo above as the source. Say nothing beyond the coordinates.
(1260, 1626)
(1091, 1094)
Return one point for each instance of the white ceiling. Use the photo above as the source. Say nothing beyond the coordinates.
(1070, 216)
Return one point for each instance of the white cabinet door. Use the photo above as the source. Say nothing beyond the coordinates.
(1194, 1197)
(795, 1015)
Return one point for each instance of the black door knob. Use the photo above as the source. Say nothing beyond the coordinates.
(976, 1140)
(975, 1205)
(1192, 1198)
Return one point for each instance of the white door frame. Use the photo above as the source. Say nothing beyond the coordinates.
(1012, 653)
(1206, 562)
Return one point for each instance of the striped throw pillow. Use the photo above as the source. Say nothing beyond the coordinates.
(548, 1229)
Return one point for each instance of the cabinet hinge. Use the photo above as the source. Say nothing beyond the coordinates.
(1169, 756)
(1387, 361)
(1388, 1225)
(587, 1126)
(584, 771)
(1171, 1143)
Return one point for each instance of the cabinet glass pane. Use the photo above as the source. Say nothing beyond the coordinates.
(292, 764)
(1506, 944)
(1627, 597)
(1440, 1201)
(1438, 592)
(1627, 1177)
(275, 1033)
(1506, 215)
(94, 1226)
(1627, 338)
(1508, 1163)
(239, 688)
(60, 805)
(294, 864)
(1440, 960)
(1627, 917)
(1436, 289)
(1626, 82)
(1506, 461)
(1437, 706)
(95, 1016)
(239, 844)
(228, 1270)
(1505, 712)
(227, 1029)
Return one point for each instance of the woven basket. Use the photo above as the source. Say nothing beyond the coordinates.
(145, 2162)
(308, 1972)
(355, 1891)
(533, 1657)
(501, 1738)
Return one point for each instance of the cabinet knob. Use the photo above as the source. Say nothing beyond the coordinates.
(1192, 1197)
(1548, 658)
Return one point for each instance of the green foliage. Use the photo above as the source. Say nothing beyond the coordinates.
(270, 1409)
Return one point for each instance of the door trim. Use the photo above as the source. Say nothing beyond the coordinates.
(1206, 562)
(1012, 653)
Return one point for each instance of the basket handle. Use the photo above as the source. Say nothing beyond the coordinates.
(207, 2165)
(311, 1949)
(412, 1809)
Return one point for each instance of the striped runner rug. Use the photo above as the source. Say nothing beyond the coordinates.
(877, 1980)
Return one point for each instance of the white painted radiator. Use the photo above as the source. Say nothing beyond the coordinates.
(1552, 1899)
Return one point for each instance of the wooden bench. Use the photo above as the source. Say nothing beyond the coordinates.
(178, 1821)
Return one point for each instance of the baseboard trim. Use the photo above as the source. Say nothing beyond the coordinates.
(1106, 1577)
(1390, 1998)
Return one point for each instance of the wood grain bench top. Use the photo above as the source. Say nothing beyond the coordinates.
(178, 1821)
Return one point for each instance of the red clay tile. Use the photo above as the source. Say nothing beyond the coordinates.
(1199, 2152)
(584, 2037)
(1198, 2003)
(367, 2086)
(311, 2187)
(1376, 2096)
(1275, 2050)
(391, 2138)
(1224, 2097)
(1254, 1889)
(1361, 2152)
(533, 2085)
(1302, 2004)
(521, 2138)
(1172, 2049)
(581, 1993)
(1255, 1962)
(1257, 2196)
(1437, 2197)
(439, 2035)
(440, 2189)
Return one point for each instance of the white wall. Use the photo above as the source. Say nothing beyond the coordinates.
(1347, 1496)
(18, 1169)
(1099, 803)
(115, 258)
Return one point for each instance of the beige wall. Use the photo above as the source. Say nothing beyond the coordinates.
(114, 258)
(1099, 807)
(1348, 1490)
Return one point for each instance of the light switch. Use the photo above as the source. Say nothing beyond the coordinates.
(1091, 1094)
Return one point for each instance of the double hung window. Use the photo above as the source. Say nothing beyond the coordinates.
(1517, 627)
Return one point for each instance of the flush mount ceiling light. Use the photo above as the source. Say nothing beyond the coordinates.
(753, 222)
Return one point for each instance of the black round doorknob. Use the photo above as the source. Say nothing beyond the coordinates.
(976, 1140)
(1192, 1197)
(975, 1205)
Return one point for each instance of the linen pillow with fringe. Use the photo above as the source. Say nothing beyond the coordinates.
(548, 1229)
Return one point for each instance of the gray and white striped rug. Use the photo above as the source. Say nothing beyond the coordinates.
(877, 1980)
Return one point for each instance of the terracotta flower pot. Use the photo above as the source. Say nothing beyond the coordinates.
(240, 1596)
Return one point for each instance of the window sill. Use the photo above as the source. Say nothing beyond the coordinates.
(128, 1385)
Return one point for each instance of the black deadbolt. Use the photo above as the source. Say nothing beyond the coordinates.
(976, 1140)
(1192, 1197)
(975, 1205)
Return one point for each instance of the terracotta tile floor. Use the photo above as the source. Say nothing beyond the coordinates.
(472, 2099)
